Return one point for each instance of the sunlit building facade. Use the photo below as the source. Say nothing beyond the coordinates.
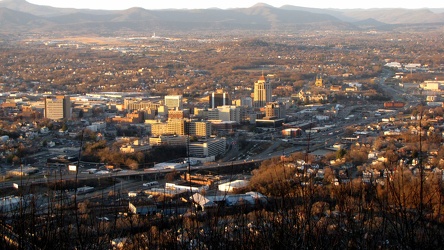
(262, 92)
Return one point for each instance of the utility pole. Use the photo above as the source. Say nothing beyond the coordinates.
(421, 170)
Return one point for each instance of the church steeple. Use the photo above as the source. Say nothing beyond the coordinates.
(319, 81)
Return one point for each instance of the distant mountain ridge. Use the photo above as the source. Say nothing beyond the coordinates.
(20, 15)
(41, 10)
(397, 16)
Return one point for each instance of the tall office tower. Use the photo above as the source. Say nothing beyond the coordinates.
(219, 98)
(58, 107)
(262, 92)
(275, 109)
(174, 102)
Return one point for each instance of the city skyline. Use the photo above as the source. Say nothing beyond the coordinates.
(201, 4)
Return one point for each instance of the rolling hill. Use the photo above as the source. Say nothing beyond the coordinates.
(21, 16)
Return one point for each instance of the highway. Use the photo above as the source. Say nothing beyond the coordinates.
(319, 140)
(67, 176)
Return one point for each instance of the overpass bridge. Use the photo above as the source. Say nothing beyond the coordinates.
(146, 174)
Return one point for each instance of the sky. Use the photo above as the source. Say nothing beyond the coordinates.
(225, 4)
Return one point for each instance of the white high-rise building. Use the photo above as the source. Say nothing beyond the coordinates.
(230, 113)
(174, 102)
(209, 147)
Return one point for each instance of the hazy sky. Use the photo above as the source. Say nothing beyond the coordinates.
(224, 4)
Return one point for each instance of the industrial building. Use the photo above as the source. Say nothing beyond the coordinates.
(232, 186)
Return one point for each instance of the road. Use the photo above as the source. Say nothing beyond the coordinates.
(322, 139)
(397, 94)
